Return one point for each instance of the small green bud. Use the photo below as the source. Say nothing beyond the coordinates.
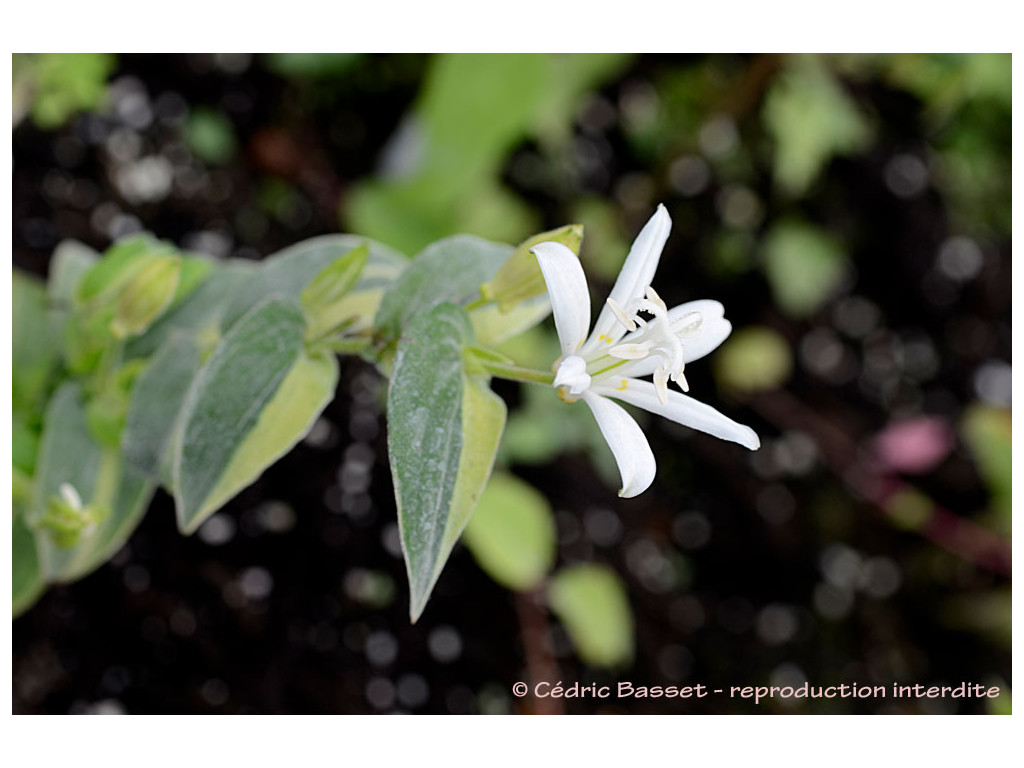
(67, 520)
(146, 296)
(105, 416)
(520, 278)
(323, 299)
(105, 279)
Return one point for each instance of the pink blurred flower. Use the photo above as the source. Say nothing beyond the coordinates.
(914, 446)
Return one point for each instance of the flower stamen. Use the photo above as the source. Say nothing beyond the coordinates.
(620, 314)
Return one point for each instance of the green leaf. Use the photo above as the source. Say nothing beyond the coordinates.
(443, 431)
(444, 163)
(193, 273)
(156, 403)
(590, 600)
(288, 273)
(67, 83)
(811, 119)
(512, 533)
(450, 270)
(257, 396)
(988, 432)
(200, 314)
(119, 264)
(70, 262)
(24, 444)
(210, 135)
(67, 452)
(34, 354)
(323, 298)
(492, 326)
(310, 65)
(804, 266)
(69, 455)
(753, 358)
(26, 577)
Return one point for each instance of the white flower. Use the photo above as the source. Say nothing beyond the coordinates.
(625, 346)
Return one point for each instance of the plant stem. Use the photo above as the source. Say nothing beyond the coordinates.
(347, 346)
(541, 665)
(515, 373)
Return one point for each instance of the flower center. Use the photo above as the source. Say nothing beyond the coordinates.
(572, 376)
(661, 336)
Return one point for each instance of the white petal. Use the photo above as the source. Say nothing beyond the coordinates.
(636, 274)
(629, 446)
(680, 408)
(572, 373)
(714, 328)
(567, 288)
(711, 335)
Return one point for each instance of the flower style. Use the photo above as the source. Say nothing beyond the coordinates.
(625, 346)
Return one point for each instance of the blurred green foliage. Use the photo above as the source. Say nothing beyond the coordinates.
(590, 600)
(810, 119)
(441, 171)
(54, 87)
(753, 358)
(210, 136)
(310, 65)
(512, 533)
(988, 433)
(804, 265)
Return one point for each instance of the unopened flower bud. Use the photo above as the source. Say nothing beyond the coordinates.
(520, 278)
(66, 519)
(146, 296)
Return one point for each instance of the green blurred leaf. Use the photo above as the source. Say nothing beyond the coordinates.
(70, 262)
(512, 533)
(590, 600)
(157, 401)
(24, 444)
(210, 135)
(811, 119)
(804, 266)
(443, 432)
(35, 351)
(442, 166)
(119, 264)
(606, 246)
(63, 84)
(26, 577)
(68, 454)
(450, 270)
(256, 397)
(988, 433)
(988, 613)
(472, 107)
(310, 65)
(753, 358)
(201, 313)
